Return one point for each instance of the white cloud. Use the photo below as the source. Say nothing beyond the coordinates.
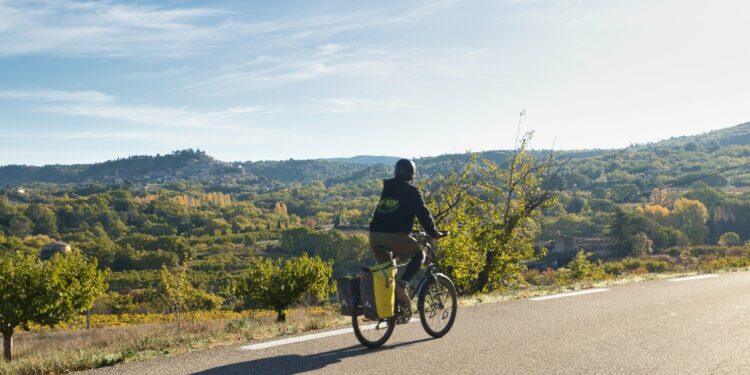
(70, 28)
(171, 117)
(96, 104)
(307, 65)
(349, 105)
(56, 95)
(104, 28)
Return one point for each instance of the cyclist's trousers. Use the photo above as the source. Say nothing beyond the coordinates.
(403, 247)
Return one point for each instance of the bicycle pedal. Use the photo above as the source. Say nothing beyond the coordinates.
(403, 319)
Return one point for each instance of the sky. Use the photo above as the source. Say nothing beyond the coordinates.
(88, 81)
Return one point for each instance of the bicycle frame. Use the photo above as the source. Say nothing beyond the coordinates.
(431, 273)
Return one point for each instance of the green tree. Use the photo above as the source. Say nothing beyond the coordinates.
(642, 245)
(625, 192)
(581, 268)
(218, 226)
(176, 294)
(20, 226)
(43, 218)
(624, 228)
(515, 196)
(729, 239)
(576, 204)
(277, 284)
(491, 212)
(47, 293)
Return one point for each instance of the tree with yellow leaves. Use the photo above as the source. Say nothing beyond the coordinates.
(655, 212)
(280, 209)
(690, 216)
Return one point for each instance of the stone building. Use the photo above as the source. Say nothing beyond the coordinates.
(52, 248)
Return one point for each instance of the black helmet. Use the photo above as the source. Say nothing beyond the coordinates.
(405, 168)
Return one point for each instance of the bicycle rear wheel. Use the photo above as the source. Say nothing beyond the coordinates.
(372, 333)
(437, 305)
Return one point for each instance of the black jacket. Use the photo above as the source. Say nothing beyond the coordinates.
(399, 203)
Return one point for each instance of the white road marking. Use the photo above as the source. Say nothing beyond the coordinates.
(570, 294)
(693, 278)
(314, 336)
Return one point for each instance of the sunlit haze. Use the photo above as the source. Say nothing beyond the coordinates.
(90, 81)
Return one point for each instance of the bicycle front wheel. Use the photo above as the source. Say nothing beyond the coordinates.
(437, 305)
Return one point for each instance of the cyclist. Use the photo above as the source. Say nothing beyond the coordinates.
(392, 224)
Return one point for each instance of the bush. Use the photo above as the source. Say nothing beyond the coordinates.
(614, 268)
(546, 277)
(716, 250)
(581, 268)
(631, 264)
(729, 239)
(712, 264)
(655, 264)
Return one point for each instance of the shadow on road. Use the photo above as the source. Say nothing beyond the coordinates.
(294, 363)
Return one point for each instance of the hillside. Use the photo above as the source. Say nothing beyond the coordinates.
(643, 166)
(738, 135)
(368, 159)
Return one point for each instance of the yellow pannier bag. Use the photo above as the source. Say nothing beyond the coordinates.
(378, 288)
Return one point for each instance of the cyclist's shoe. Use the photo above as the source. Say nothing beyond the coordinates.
(403, 313)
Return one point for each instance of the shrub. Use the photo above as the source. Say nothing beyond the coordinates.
(729, 239)
(614, 268)
(532, 277)
(657, 266)
(548, 277)
(175, 294)
(711, 264)
(631, 264)
(581, 268)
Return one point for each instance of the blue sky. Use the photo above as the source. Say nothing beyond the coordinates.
(253, 80)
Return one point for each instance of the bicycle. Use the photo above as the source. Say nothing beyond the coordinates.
(436, 302)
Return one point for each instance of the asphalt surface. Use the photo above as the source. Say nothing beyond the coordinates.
(658, 327)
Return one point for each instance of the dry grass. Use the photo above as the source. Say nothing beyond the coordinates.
(59, 351)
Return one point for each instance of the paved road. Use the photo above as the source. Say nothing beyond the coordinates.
(659, 327)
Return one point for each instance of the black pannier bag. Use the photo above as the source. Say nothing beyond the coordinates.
(345, 288)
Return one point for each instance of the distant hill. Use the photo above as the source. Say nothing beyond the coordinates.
(738, 135)
(178, 164)
(368, 159)
(654, 164)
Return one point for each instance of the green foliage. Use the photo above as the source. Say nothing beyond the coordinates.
(350, 252)
(277, 284)
(729, 239)
(495, 226)
(581, 268)
(175, 294)
(576, 204)
(716, 264)
(642, 245)
(46, 293)
(624, 229)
